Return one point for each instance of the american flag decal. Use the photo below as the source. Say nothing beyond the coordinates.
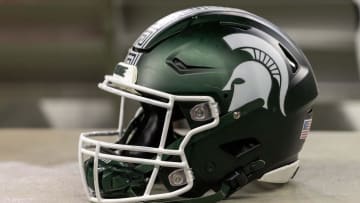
(306, 129)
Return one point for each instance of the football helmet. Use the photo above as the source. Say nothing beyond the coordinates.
(225, 99)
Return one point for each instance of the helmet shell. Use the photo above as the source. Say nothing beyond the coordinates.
(186, 53)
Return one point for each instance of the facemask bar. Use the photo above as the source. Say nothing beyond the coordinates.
(129, 90)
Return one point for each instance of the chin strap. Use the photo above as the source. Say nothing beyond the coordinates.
(223, 192)
(229, 186)
(237, 180)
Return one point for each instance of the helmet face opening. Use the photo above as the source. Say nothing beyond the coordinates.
(144, 130)
(153, 142)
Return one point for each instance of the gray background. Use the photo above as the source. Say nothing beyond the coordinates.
(53, 53)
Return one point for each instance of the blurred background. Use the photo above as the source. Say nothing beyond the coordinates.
(53, 54)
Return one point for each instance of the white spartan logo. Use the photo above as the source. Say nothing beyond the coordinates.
(257, 74)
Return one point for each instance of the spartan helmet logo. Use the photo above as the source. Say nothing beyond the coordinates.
(256, 74)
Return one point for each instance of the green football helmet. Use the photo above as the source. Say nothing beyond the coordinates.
(225, 99)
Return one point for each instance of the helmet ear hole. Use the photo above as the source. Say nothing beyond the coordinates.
(240, 147)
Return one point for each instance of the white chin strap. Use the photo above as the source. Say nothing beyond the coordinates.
(281, 175)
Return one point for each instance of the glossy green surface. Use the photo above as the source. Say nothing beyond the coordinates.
(199, 47)
(191, 58)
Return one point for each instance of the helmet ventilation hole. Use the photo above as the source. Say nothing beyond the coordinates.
(290, 59)
(182, 68)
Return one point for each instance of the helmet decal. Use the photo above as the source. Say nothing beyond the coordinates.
(132, 57)
(267, 63)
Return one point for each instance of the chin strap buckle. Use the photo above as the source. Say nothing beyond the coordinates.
(238, 179)
(253, 167)
(241, 177)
